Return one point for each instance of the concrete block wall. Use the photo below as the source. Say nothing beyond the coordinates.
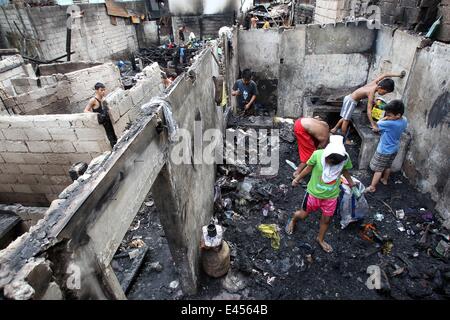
(12, 67)
(427, 99)
(36, 153)
(207, 25)
(308, 60)
(97, 39)
(444, 30)
(61, 94)
(125, 105)
(330, 11)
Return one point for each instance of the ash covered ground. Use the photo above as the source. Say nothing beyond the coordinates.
(300, 269)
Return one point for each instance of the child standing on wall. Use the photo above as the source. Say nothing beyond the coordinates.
(326, 167)
(380, 85)
(391, 128)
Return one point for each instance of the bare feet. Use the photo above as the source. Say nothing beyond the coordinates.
(385, 182)
(290, 226)
(325, 246)
(370, 189)
(350, 143)
(333, 131)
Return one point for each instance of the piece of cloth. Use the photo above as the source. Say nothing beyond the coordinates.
(306, 143)
(271, 231)
(152, 107)
(311, 204)
(391, 132)
(348, 106)
(247, 92)
(380, 161)
(316, 186)
(266, 25)
(335, 146)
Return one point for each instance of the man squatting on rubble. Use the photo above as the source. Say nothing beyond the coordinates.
(95, 104)
(325, 166)
(381, 85)
(245, 90)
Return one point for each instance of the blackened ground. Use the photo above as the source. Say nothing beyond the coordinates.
(149, 283)
(339, 275)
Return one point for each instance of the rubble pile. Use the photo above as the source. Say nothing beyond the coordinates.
(410, 255)
(400, 242)
(168, 58)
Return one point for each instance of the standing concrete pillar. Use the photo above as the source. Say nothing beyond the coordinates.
(172, 208)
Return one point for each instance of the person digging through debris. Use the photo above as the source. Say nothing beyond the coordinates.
(326, 167)
(254, 22)
(391, 128)
(311, 134)
(181, 38)
(95, 105)
(381, 85)
(245, 90)
(266, 25)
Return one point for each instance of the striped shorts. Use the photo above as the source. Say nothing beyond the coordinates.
(381, 162)
(348, 106)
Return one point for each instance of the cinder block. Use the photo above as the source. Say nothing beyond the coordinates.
(12, 157)
(41, 188)
(38, 146)
(90, 134)
(22, 188)
(52, 169)
(61, 180)
(10, 168)
(125, 104)
(61, 146)
(55, 158)
(38, 134)
(27, 179)
(62, 134)
(8, 178)
(5, 188)
(16, 146)
(87, 146)
(33, 158)
(30, 169)
(14, 134)
(79, 157)
(43, 180)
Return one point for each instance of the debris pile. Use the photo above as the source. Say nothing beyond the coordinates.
(174, 59)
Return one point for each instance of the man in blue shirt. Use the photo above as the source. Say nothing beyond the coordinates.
(391, 128)
(245, 90)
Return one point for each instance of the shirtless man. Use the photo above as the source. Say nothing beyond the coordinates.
(311, 134)
(380, 85)
(254, 21)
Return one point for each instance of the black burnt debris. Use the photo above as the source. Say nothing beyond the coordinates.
(413, 263)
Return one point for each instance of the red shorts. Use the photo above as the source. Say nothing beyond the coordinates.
(306, 143)
(311, 204)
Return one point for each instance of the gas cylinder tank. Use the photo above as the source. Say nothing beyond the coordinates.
(216, 261)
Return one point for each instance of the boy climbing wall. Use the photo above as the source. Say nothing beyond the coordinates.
(381, 85)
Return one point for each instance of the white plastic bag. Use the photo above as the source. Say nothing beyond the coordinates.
(352, 209)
